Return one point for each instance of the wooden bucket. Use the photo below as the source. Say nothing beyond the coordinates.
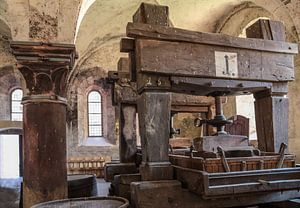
(92, 202)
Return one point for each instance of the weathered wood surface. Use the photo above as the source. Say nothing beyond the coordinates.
(272, 122)
(152, 14)
(128, 137)
(168, 194)
(239, 126)
(123, 65)
(214, 165)
(154, 116)
(127, 45)
(112, 169)
(210, 143)
(266, 29)
(121, 184)
(154, 109)
(227, 184)
(198, 60)
(125, 93)
(136, 30)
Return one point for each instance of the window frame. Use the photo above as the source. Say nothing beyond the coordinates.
(11, 103)
(88, 113)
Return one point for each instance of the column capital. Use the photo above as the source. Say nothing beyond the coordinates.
(45, 66)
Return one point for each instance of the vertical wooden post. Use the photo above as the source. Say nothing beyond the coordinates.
(127, 114)
(45, 68)
(154, 110)
(271, 107)
(271, 115)
(127, 133)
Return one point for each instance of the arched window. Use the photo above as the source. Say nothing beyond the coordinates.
(95, 114)
(16, 106)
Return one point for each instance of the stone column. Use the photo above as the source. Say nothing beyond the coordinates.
(45, 68)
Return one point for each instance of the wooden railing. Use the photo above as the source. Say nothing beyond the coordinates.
(86, 165)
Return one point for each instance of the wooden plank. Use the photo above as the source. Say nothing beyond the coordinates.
(154, 129)
(210, 143)
(123, 65)
(137, 30)
(271, 115)
(126, 45)
(152, 14)
(207, 86)
(125, 93)
(266, 29)
(197, 60)
(189, 109)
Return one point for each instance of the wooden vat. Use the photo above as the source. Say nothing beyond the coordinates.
(92, 202)
(214, 165)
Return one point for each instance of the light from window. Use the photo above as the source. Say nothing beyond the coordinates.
(16, 106)
(95, 113)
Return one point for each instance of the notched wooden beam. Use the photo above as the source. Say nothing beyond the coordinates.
(152, 14)
(127, 45)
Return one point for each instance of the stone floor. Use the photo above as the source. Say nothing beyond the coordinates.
(10, 191)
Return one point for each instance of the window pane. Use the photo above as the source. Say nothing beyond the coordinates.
(94, 97)
(16, 116)
(16, 106)
(17, 94)
(94, 107)
(95, 119)
(95, 130)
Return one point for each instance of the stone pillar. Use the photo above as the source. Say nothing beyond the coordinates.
(45, 68)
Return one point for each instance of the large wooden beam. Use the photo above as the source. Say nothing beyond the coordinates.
(154, 109)
(157, 32)
(199, 60)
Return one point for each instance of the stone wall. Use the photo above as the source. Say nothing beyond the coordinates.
(82, 84)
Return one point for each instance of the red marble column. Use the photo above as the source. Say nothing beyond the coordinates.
(45, 68)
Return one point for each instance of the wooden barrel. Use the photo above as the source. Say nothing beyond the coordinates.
(82, 186)
(92, 202)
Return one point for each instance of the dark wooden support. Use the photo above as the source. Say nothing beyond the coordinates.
(45, 68)
(21, 155)
(271, 115)
(271, 106)
(127, 133)
(266, 29)
(154, 110)
(152, 14)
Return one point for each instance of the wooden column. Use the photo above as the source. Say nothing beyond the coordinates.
(271, 115)
(127, 133)
(154, 110)
(125, 96)
(45, 68)
(272, 106)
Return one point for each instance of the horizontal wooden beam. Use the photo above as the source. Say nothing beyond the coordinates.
(200, 60)
(138, 30)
